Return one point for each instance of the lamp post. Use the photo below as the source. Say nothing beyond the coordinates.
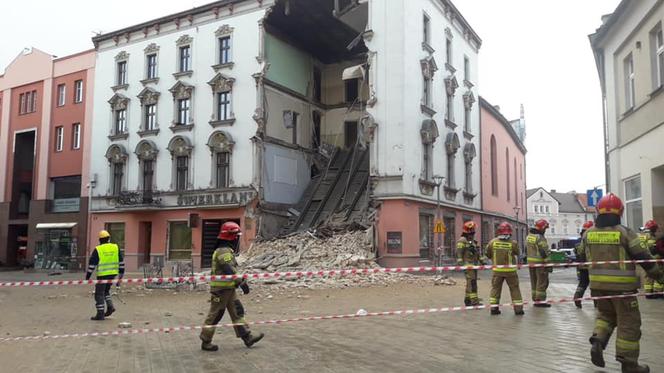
(438, 180)
(516, 209)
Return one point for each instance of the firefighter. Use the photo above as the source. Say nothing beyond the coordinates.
(611, 241)
(109, 262)
(581, 270)
(504, 251)
(538, 251)
(223, 291)
(467, 253)
(649, 241)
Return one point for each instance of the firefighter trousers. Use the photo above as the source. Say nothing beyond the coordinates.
(539, 282)
(471, 297)
(223, 300)
(512, 280)
(621, 313)
(584, 281)
(652, 286)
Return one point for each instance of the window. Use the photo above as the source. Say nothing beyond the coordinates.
(315, 136)
(294, 119)
(76, 136)
(66, 187)
(657, 42)
(553, 230)
(27, 102)
(426, 91)
(22, 108)
(466, 119)
(507, 173)
(448, 51)
(148, 174)
(427, 161)
(516, 191)
(224, 50)
(184, 111)
(117, 175)
(150, 117)
(352, 88)
(224, 106)
(179, 241)
(222, 169)
(494, 167)
(59, 138)
(449, 112)
(629, 82)
(426, 236)
(181, 172)
(451, 160)
(122, 73)
(117, 232)
(151, 63)
(548, 211)
(466, 68)
(350, 134)
(318, 84)
(469, 177)
(120, 121)
(185, 58)
(32, 101)
(78, 91)
(450, 236)
(426, 36)
(633, 203)
(61, 94)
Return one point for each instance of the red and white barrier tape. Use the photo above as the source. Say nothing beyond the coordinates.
(321, 273)
(308, 318)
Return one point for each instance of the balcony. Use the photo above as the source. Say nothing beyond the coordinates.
(142, 198)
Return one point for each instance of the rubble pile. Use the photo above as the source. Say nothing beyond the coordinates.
(307, 252)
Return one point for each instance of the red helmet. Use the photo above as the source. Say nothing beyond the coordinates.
(541, 225)
(587, 225)
(504, 229)
(229, 231)
(469, 227)
(651, 225)
(610, 204)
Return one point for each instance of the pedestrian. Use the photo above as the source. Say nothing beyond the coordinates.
(223, 293)
(109, 262)
(611, 241)
(468, 254)
(538, 252)
(504, 251)
(581, 270)
(649, 242)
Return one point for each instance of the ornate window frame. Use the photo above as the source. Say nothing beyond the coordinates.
(184, 41)
(221, 84)
(180, 146)
(452, 145)
(469, 154)
(146, 150)
(119, 102)
(116, 154)
(148, 96)
(151, 49)
(181, 91)
(123, 56)
(224, 31)
(220, 142)
(468, 102)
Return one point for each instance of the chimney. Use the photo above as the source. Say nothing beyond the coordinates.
(497, 107)
(553, 190)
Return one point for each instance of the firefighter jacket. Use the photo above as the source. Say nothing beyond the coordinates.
(503, 252)
(537, 248)
(467, 252)
(649, 243)
(580, 252)
(224, 263)
(616, 243)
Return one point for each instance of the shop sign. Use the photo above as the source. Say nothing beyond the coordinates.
(394, 242)
(231, 198)
(66, 205)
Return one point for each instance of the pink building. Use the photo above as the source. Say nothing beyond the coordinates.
(503, 165)
(45, 109)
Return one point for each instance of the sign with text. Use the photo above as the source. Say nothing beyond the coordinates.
(230, 198)
(66, 205)
(394, 242)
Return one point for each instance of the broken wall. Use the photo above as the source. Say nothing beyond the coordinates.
(286, 172)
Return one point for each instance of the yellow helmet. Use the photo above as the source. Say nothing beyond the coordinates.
(104, 234)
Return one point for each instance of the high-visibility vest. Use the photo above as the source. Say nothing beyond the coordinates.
(502, 254)
(109, 259)
(222, 256)
(533, 242)
(608, 245)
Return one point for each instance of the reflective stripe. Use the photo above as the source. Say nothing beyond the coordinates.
(603, 238)
(627, 345)
(493, 300)
(109, 259)
(614, 279)
(535, 260)
(502, 245)
(613, 272)
(227, 283)
(532, 239)
(504, 269)
(602, 324)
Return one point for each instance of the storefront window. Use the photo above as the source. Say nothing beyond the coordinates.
(426, 235)
(66, 194)
(179, 240)
(450, 236)
(633, 203)
(117, 231)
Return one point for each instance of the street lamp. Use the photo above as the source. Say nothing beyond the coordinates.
(438, 181)
(516, 209)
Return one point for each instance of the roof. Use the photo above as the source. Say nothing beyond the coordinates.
(506, 123)
(609, 21)
(568, 203)
(583, 200)
(463, 21)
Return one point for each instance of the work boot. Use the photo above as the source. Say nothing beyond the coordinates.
(495, 311)
(250, 340)
(597, 353)
(542, 305)
(208, 346)
(467, 302)
(519, 312)
(651, 296)
(578, 305)
(109, 311)
(99, 316)
(634, 368)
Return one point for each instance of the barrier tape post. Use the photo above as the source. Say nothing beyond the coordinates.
(312, 318)
(320, 273)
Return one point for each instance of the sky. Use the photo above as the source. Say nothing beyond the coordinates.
(534, 53)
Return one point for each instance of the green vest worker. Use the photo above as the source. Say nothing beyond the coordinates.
(649, 242)
(504, 251)
(538, 252)
(108, 261)
(223, 291)
(581, 271)
(468, 254)
(611, 241)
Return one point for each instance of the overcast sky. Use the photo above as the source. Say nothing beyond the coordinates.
(533, 52)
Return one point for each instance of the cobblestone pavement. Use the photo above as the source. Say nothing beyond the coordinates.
(544, 340)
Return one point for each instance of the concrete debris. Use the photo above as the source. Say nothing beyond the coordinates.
(124, 325)
(362, 312)
(444, 280)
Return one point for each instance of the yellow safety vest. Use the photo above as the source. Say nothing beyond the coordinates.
(606, 245)
(226, 257)
(109, 259)
(533, 249)
(502, 255)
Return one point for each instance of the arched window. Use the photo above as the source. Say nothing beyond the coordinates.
(180, 148)
(146, 152)
(507, 172)
(117, 159)
(494, 167)
(221, 147)
(516, 191)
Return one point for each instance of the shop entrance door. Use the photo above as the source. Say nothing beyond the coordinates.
(210, 232)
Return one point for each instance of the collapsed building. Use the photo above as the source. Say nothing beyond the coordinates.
(286, 116)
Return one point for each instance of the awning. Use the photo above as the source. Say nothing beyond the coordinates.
(56, 225)
(353, 72)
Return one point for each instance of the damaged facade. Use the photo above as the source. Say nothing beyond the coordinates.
(283, 116)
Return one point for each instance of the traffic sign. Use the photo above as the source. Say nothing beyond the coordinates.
(439, 227)
(594, 195)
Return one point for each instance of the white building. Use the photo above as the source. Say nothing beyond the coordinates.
(227, 111)
(564, 212)
(629, 52)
